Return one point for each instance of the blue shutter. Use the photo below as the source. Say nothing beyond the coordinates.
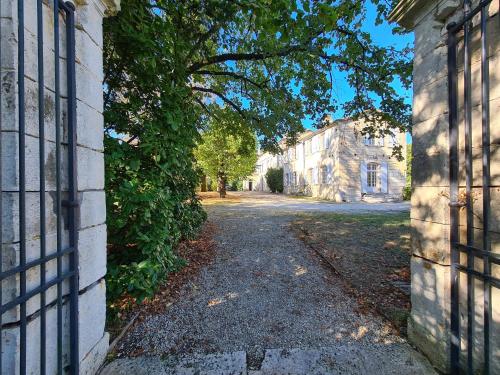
(363, 177)
(383, 177)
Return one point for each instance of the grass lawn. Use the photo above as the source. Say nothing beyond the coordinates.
(370, 252)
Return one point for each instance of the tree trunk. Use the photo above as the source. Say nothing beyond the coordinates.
(221, 180)
(204, 183)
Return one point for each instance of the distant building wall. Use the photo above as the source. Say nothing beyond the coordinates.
(257, 181)
(334, 163)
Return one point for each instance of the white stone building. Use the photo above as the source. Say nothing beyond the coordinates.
(338, 163)
(265, 161)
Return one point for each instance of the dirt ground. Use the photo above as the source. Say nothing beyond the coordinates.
(370, 252)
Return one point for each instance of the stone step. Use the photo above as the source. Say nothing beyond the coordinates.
(346, 359)
(379, 198)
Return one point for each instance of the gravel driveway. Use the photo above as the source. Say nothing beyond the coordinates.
(265, 290)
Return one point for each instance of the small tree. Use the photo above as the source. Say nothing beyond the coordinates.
(227, 155)
(274, 179)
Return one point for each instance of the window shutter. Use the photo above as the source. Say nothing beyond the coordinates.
(383, 177)
(393, 141)
(363, 177)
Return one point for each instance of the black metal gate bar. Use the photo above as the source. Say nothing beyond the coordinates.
(67, 10)
(57, 103)
(485, 129)
(454, 204)
(468, 182)
(41, 158)
(22, 184)
(72, 203)
(456, 247)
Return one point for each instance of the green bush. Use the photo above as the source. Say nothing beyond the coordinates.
(407, 193)
(274, 179)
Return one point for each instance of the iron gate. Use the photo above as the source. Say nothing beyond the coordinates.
(472, 259)
(63, 276)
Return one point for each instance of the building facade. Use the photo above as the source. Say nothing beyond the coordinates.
(338, 163)
(257, 181)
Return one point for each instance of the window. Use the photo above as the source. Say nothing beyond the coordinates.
(369, 141)
(291, 153)
(309, 176)
(373, 141)
(315, 144)
(287, 179)
(324, 174)
(371, 174)
(393, 141)
(315, 176)
(295, 178)
(326, 140)
(258, 169)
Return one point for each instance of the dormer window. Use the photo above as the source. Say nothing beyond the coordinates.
(369, 140)
(373, 141)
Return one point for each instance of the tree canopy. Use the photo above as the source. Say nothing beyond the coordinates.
(270, 61)
(172, 67)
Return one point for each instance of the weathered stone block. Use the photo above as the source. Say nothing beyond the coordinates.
(92, 317)
(10, 215)
(431, 136)
(494, 80)
(477, 167)
(8, 9)
(10, 163)
(8, 60)
(89, 54)
(90, 364)
(429, 203)
(429, 321)
(476, 119)
(430, 100)
(87, 86)
(92, 209)
(428, 37)
(11, 285)
(11, 344)
(89, 19)
(430, 169)
(89, 127)
(92, 254)
(10, 120)
(430, 241)
(430, 67)
(90, 169)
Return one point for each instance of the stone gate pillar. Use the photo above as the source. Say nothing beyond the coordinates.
(93, 340)
(429, 323)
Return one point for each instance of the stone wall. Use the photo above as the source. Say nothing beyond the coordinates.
(430, 265)
(92, 231)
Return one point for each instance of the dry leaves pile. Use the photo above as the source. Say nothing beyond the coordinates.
(198, 253)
